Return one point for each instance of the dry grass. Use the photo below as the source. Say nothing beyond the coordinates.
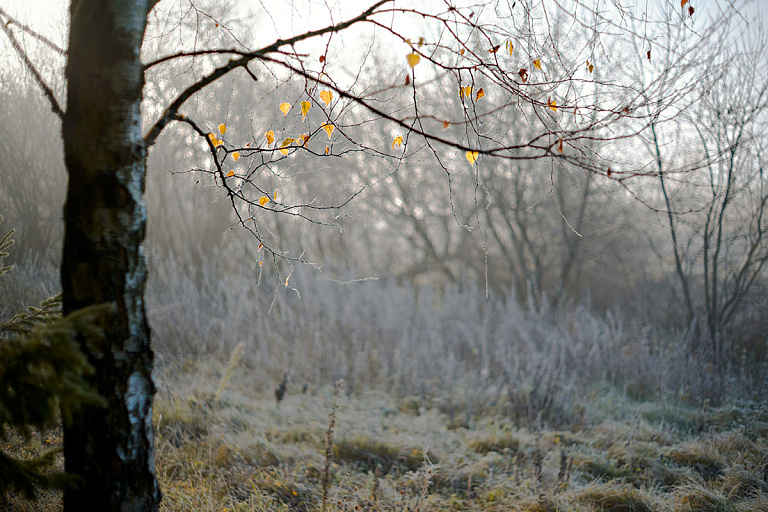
(243, 451)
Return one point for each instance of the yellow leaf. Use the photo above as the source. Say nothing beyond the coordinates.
(270, 137)
(326, 96)
(260, 247)
(305, 106)
(465, 91)
(223, 128)
(284, 108)
(275, 198)
(510, 47)
(303, 139)
(537, 63)
(287, 142)
(421, 42)
(480, 94)
(216, 142)
(230, 173)
(263, 200)
(472, 157)
(397, 142)
(461, 52)
(327, 150)
(235, 156)
(413, 59)
(552, 104)
(328, 129)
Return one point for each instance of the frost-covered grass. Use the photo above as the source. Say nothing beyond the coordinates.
(449, 401)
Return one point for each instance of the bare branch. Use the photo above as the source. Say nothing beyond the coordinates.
(243, 61)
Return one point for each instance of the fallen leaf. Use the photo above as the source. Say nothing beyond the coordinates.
(472, 157)
(328, 129)
(284, 108)
(326, 96)
(397, 142)
(413, 59)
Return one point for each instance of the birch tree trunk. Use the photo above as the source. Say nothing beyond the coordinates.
(110, 449)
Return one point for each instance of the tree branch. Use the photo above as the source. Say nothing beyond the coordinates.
(243, 61)
(47, 91)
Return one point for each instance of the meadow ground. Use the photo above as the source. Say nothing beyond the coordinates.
(449, 401)
(235, 448)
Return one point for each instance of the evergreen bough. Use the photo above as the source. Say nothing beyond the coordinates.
(42, 381)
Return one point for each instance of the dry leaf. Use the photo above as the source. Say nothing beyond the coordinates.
(552, 104)
(480, 94)
(287, 142)
(305, 106)
(327, 150)
(523, 74)
(446, 124)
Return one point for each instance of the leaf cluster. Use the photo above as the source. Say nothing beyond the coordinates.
(43, 372)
